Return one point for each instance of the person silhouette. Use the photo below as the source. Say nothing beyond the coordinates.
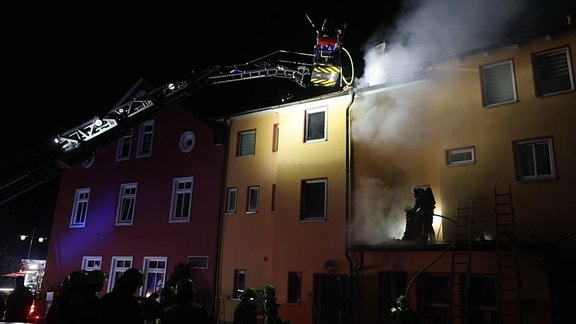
(19, 301)
(403, 313)
(271, 315)
(185, 309)
(120, 306)
(246, 311)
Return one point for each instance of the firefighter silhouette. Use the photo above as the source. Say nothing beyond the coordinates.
(419, 217)
(271, 306)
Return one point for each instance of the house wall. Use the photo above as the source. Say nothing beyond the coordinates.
(151, 233)
(399, 136)
(268, 244)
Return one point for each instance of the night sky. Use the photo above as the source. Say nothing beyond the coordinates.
(64, 64)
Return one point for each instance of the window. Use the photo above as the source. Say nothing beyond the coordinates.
(483, 299)
(313, 200)
(294, 287)
(460, 156)
(198, 262)
(90, 263)
(145, 139)
(119, 265)
(315, 124)
(535, 159)
(80, 209)
(553, 72)
(434, 297)
(126, 204)
(181, 200)
(239, 283)
(275, 137)
(123, 148)
(252, 205)
(231, 198)
(498, 84)
(246, 145)
(154, 274)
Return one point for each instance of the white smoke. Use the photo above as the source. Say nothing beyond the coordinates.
(428, 30)
(435, 29)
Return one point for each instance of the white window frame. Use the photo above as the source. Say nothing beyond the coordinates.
(90, 263)
(154, 274)
(126, 204)
(304, 205)
(253, 199)
(181, 205)
(555, 70)
(309, 127)
(231, 200)
(145, 139)
(124, 142)
(80, 208)
(461, 156)
(246, 145)
(533, 148)
(118, 265)
(503, 74)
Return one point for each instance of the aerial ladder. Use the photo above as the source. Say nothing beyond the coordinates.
(322, 68)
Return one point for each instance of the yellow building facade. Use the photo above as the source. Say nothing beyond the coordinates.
(316, 192)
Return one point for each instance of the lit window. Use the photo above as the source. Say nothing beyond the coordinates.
(181, 200)
(535, 159)
(154, 274)
(498, 84)
(126, 204)
(553, 72)
(313, 200)
(80, 209)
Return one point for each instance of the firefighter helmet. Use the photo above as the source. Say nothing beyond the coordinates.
(249, 294)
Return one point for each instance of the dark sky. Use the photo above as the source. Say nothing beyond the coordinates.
(64, 68)
(64, 64)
